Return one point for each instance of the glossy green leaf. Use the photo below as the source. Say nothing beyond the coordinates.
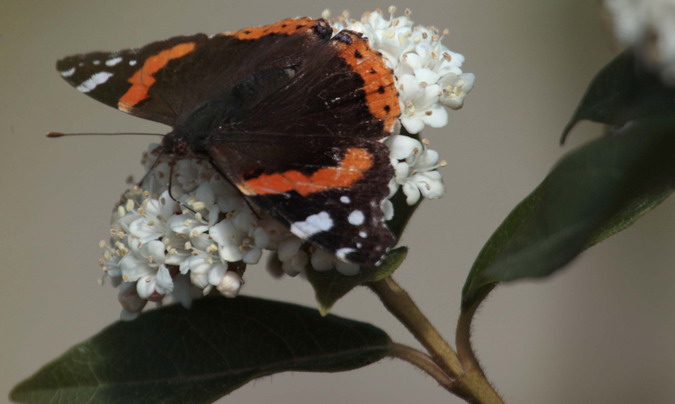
(174, 355)
(622, 91)
(633, 210)
(595, 191)
(330, 286)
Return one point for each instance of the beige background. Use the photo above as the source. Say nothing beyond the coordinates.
(600, 331)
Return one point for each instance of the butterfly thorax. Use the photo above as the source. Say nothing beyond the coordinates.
(192, 134)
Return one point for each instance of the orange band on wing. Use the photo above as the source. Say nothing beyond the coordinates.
(353, 165)
(379, 84)
(144, 78)
(288, 26)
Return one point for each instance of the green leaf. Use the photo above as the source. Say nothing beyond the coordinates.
(622, 91)
(633, 210)
(330, 286)
(174, 355)
(594, 192)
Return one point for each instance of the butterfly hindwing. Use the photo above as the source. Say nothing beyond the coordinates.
(309, 149)
(330, 196)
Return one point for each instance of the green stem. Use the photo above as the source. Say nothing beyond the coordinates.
(460, 375)
(422, 361)
(401, 305)
(463, 340)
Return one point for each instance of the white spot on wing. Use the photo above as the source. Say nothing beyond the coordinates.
(96, 62)
(363, 234)
(93, 81)
(312, 224)
(132, 63)
(69, 72)
(345, 199)
(342, 253)
(356, 218)
(112, 62)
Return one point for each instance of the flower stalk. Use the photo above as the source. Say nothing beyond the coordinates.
(467, 378)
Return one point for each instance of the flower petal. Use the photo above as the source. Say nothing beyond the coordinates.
(164, 282)
(145, 286)
(216, 274)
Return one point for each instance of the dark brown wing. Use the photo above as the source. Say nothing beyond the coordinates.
(168, 79)
(307, 148)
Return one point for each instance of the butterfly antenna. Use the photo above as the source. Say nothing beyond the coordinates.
(59, 134)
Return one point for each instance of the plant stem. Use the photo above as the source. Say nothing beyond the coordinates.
(422, 361)
(463, 340)
(466, 378)
(401, 305)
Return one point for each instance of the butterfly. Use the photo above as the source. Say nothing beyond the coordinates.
(291, 113)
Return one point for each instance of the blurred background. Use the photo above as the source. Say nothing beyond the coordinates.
(600, 331)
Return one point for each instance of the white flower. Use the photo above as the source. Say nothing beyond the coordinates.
(110, 264)
(292, 257)
(649, 27)
(324, 261)
(187, 174)
(455, 87)
(203, 269)
(228, 197)
(419, 103)
(151, 223)
(145, 262)
(159, 284)
(200, 212)
(132, 305)
(276, 232)
(230, 284)
(388, 207)
(239, 238)
(390, 36)
(184, 291)
(415, 169)
(429, 75)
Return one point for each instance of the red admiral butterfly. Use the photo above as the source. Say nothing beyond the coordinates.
(290, 114)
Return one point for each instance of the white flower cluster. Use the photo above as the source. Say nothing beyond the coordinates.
(200, 234)
(649, 27)
(429, 75)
